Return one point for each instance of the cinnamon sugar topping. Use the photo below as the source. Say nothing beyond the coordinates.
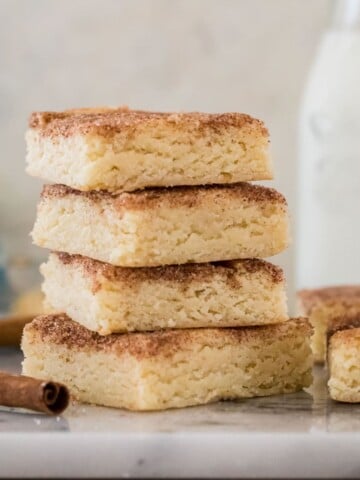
(343, 322)
(60, 330)
(338, 294)
(189, 196)
(184, 274)
(108, 121)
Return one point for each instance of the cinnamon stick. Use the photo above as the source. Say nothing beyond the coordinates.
(27, 392)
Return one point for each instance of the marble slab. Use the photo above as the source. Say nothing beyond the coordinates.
(303, 435)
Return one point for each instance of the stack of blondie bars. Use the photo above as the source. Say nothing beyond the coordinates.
(156, 267)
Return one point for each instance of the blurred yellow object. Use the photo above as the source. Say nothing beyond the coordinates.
(11, 329)
(30, 303)
(23, 310)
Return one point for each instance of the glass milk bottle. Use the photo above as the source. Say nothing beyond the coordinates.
(328, 213)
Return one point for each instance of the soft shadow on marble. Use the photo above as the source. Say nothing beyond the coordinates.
(310, 411)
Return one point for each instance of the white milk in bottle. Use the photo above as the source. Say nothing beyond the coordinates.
(328, 214)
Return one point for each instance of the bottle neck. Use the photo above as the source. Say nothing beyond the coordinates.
(345, 15)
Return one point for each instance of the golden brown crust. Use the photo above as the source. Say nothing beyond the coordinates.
(343, 322)
(311, 298)
(60, 330)
(109, 121)
(349, 336)
(190, 196)
(184, 274)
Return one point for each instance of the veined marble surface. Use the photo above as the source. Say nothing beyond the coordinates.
(302, 435)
